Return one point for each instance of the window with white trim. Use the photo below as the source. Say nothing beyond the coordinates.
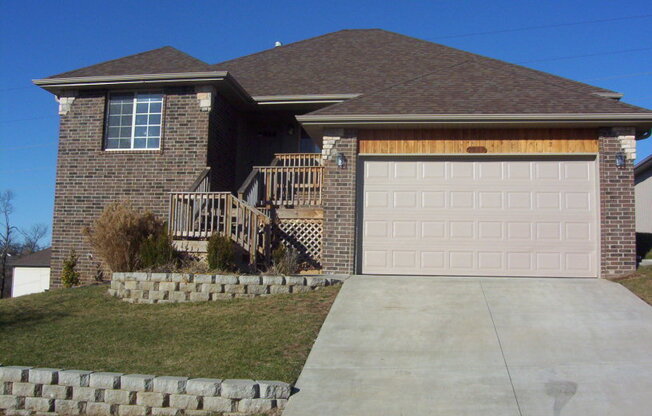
(134, 121)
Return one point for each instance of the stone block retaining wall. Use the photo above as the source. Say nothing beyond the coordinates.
(48, 391)
(141, 287)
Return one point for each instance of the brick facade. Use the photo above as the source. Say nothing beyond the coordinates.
(617, 208)
(339, 202)
(89, 178)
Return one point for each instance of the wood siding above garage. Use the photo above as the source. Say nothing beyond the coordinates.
(498, 141)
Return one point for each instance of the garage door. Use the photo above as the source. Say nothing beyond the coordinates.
(480, 217)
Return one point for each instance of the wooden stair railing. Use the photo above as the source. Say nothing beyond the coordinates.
(198, 215)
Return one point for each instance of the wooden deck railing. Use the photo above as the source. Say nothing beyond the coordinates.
(298, 159)
(290, 186)
(198, 215)
(203, 182)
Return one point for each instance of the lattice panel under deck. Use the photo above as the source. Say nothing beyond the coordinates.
(304, 235)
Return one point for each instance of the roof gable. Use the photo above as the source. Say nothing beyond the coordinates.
(165, 60)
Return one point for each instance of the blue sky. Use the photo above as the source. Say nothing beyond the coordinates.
(42, 38)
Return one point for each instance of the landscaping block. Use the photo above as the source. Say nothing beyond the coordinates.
(98, 409)
(257, 289)
(165, 411)
(157, 295)
(255, 405)
(237, 289)
(281, 403)
(199, 296)
(239, 389)
(67, 407)
(113, 292)
(181, 277)
(87, 394)
(295, 280)
(204, 278)
(137, 382)
(301, 289)
(188, 287)
(226, 279)
(115, 284)
(132, 285)
(105, 380)
(221, 296)
(25, 389)
(167, 286)
(14, 373)
(39, 404)
(18, 412)
(273, 280)
(8, 401)
(167, 384)
(250, 280)
(151, 399)
(119, 276)
(211, 288)
(278, 289)
(147, 285)
(139, 276)
(75, 378)
(219, 404)
(274, 389)
(315, 281)
(198, 413)
(55, 391)
(203, 386)
(137, 294)
(177, 296)
(184, 401)
(112, 396)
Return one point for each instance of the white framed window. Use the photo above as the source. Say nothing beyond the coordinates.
(134, 121)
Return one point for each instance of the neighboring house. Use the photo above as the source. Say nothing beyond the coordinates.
(643, 192)
(31, 273)
(433, 160)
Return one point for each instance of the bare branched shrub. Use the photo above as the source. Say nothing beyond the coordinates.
(119, 232)
(285, 260)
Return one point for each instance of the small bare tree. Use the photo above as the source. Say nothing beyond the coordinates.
(7, 232)
(32, 238)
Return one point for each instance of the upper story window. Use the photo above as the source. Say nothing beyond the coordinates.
(134, 121)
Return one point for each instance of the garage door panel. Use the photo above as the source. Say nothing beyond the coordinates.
(480, 218)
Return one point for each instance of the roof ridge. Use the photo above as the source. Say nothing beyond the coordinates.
(290, 44)
(495, 60)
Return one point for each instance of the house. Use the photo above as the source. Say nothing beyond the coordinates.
(31, 273)
(643, 196)
(371, 151)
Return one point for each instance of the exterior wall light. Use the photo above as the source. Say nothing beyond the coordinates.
(340, 159)
(620, 159)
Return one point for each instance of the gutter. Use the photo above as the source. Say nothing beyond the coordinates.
(407, 119)
(303, 99)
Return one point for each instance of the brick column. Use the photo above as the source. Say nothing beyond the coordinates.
(339, 201)
(617, 214)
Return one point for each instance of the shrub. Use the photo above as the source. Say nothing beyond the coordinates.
(285, 260)
(70, 276)
(118, 233)
(221, 253)
(158, 251)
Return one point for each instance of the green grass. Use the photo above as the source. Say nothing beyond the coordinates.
(266, 338)
(640, 283)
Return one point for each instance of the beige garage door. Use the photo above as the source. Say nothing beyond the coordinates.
(480, 217)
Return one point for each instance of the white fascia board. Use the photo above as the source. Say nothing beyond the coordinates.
(303, 99)
(130, 79)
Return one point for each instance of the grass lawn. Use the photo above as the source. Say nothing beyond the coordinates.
(640, 283)
(266, 338)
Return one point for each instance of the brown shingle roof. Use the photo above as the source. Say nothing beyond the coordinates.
(37, 259)
(165, 60)
(478, 87)
(358, 61)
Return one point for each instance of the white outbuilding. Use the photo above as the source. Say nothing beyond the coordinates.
(31, 273)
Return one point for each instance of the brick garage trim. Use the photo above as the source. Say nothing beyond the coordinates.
(617, 207)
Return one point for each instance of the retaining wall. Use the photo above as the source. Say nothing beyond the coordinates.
(141, 287)
(44, 391)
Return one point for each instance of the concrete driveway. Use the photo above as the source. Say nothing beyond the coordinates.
(479, 346)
